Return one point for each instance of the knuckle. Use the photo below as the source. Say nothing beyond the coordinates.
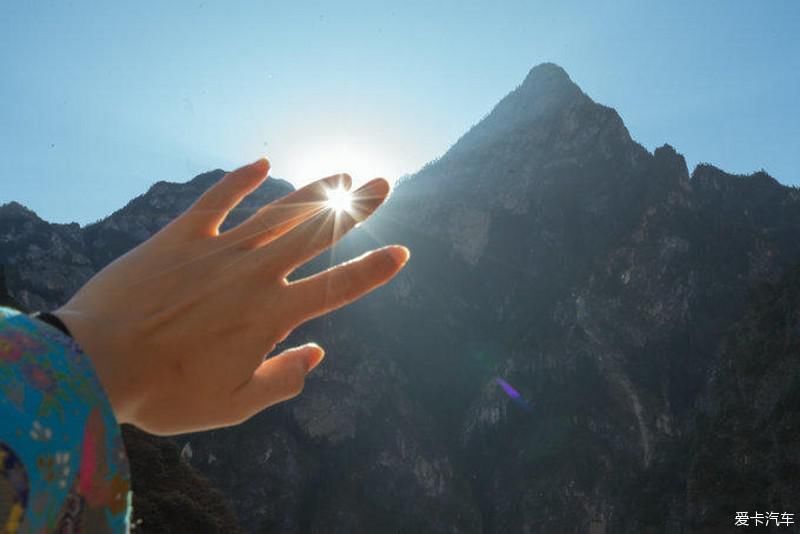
(177, 371)
(344, 283)
(294, 383)
(266, 264)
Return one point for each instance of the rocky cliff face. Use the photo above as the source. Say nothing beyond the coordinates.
(569, 349)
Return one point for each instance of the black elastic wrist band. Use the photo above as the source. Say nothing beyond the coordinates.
(52, 320)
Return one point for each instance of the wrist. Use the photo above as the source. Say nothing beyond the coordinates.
(86, 335)
(52, 320)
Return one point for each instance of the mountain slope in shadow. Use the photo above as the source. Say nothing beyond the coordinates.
(558, 355)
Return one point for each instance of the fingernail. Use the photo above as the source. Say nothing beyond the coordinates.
(313, 358)
(399, 254)
(261, 163)
(378, 185)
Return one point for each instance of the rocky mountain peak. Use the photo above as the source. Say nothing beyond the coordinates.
(207, 179)
(546, 115)
(548, 79)
(546, 93)
(708, 176)
(672, 163)
(15, 209)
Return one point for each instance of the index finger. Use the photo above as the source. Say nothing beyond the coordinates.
(342, 284)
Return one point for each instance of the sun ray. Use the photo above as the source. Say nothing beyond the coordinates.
(339, 199)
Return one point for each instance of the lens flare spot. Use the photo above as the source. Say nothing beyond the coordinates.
(512, 393)
(508, 388)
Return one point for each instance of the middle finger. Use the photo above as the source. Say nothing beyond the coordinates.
(312, 237)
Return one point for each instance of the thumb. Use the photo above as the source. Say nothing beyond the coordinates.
(277, 379)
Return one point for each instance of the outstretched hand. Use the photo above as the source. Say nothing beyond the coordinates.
(178, 328)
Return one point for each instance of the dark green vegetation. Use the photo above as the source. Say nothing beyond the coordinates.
(645, 314)
(170, 496)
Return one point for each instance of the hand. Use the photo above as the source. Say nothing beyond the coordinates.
(178, 328)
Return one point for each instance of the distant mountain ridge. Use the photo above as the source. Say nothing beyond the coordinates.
(620, 296)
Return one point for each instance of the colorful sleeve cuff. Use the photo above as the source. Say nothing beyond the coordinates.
(63, 466)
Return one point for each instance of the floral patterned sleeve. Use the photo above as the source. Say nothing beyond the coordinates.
(63, 466)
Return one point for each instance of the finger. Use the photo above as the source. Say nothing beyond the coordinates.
(340, 285)
(315, 235)
(277, 379)
(277, 218)
(210, 210)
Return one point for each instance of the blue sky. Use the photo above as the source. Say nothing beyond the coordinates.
(101, 99)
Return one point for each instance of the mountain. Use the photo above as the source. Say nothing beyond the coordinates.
(587, 339)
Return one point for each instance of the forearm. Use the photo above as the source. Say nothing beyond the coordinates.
(61, 450)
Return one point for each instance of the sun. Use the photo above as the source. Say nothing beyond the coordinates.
(317, 157)
(339, 200)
